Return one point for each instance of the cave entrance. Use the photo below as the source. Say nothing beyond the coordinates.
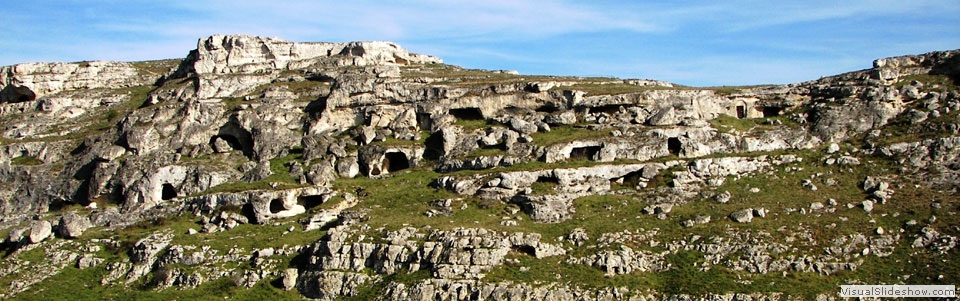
(524, 249)
(167, 191)
(238, 137)
(631, 180)
(585, 153)
(467, 114)
(276, 206)
(231, 140)
(11, 93)
(247, 211)
(674, 146)
(741, 112)
(548, 108)
(310, 201)
(433, 146)
(394, 161)
(609, 109)
(769, 112)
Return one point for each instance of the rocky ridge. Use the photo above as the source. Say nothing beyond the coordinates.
(359, 170)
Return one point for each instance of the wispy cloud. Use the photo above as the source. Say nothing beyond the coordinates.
(687, 41)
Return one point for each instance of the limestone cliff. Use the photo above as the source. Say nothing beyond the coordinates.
(362, 170)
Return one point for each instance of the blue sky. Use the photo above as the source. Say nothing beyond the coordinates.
(701, 43)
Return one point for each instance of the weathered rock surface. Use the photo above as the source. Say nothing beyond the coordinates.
(246, 140)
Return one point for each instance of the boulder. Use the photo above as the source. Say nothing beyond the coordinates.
(289, 279)
(742, 216)
(72, 225)
(40, 230)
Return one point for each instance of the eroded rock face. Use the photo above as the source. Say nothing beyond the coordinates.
(455, 254)
(256, 132)
(30, 81)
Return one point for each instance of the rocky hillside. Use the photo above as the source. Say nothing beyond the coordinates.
(261, 168)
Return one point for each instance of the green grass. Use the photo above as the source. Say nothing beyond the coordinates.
(900, 129)
(471, 124)
(569, 133)
(943, 83)
(76, 284)
(26, 161)
(157, 67)
(473, 78)
(96, 123)
(726, 124)
(279, 179)
(594, 89)
(485, 152)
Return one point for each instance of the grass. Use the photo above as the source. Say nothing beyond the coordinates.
(279, 179)
(26, 161)
(931, 82)
(778, 192)
(400, 199)
(76, 284)
(726, 124)
(900, 129)
(473, 78)
(474, 124)
(157, 67)
(569, 133)
(595, 89)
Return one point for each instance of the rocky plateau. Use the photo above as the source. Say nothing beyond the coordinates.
(262, 168)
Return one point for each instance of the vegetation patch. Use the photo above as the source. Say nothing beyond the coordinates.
(26, 161)
(569, 133)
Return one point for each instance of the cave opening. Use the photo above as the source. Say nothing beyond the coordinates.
(674, 146)
(609, 109)
(548, 108)
(247, 211)
(467, 114)
(769, 112)
(238, 137)
(231, 140)
(433, 146)
(524, 249)
(741, 112)
(12, 93)
(394, 161)
(310, 201)
(585, 153)
(167, 191)
(276, 206)
(632, 179)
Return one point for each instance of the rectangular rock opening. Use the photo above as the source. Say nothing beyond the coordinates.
(631, 180)
(167, 191)
(548, 108)
(394, 161)
(674, 146)
(741, 112)
(585, 153)
(276, 206)
(769, 112)
(467, 113)
(310, 201)
(524, 249)
(609, 109)
(544, 185)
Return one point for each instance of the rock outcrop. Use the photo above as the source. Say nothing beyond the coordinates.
(360, 169)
